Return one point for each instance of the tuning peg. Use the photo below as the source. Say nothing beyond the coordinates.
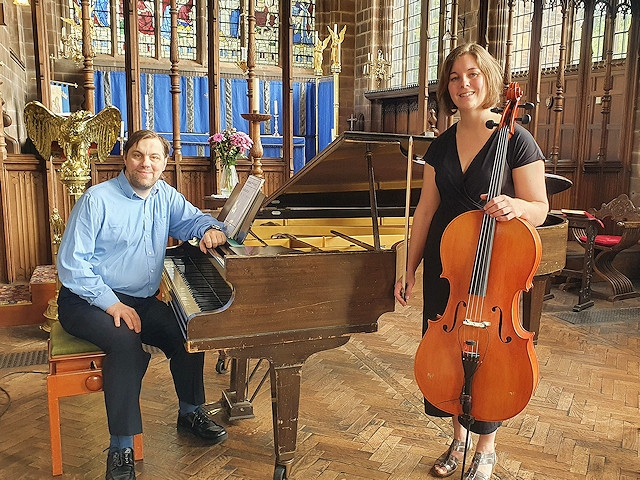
(491, 124)
(525, 119)
(497, 109)
(527, 105)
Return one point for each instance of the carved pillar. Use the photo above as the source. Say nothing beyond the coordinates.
(175, 89)
(132, 67)
(87, 53)
(41, 52)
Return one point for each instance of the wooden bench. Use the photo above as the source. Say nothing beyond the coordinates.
(75, 368)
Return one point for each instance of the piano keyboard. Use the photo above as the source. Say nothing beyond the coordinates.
(195, 285)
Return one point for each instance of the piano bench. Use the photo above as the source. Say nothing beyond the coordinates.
(75, 368)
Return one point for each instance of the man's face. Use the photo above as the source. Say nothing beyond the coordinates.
(145, 162)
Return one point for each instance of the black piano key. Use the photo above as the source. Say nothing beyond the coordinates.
(207, 288)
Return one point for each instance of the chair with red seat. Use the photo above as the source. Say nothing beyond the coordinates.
(622, 218)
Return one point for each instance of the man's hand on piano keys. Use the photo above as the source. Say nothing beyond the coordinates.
(121, 312)
(211, 239)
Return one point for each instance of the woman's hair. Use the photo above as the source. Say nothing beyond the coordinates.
(488, 65)
(141, 135)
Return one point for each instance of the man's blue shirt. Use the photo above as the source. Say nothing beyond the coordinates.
(115, 240)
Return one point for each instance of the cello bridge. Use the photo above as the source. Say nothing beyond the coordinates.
(471, 323)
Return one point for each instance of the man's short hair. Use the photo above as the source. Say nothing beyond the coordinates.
(141, 135)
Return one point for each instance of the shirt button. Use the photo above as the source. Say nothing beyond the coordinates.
(150, 253)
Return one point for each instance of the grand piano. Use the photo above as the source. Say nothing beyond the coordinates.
(318, 266)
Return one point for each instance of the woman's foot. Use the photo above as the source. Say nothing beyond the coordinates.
(481, 466)
(448, 461)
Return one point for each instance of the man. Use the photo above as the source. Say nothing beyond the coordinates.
(110, 263)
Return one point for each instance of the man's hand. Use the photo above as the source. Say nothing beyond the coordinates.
(121, 312)
(211, 239)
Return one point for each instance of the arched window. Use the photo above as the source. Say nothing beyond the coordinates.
(597, 36)
(405, 42)
(522, 17)
(621, 29)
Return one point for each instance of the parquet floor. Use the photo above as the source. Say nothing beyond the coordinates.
(361, 415)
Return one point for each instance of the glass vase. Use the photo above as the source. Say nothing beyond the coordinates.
(228, 179)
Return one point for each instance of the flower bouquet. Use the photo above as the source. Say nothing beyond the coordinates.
(229, 145)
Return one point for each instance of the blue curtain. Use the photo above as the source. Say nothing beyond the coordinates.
(194, 109)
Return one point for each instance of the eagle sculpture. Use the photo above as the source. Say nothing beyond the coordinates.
(74, 133)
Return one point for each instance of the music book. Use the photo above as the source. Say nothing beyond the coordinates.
(241, 208)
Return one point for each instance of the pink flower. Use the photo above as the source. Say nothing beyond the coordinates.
(229, 145)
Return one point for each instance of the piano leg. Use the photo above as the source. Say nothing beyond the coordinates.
(285, 403)
(286, 371)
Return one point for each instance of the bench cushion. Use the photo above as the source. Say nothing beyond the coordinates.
(63, 343)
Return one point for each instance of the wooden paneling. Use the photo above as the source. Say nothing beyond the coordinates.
(24, 204)
(31, 190)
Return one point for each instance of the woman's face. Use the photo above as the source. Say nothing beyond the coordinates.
(467, 84)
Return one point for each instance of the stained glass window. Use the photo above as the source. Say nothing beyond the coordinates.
(232, 21)
(186, 29)
(101, 28)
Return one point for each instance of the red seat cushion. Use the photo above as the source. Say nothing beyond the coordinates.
(604, 240)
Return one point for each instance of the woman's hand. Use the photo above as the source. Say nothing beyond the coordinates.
(502, 207)
(403, 294)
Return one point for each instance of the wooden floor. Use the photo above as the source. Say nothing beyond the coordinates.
(361, 414)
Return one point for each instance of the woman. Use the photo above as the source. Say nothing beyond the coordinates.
(456, 178)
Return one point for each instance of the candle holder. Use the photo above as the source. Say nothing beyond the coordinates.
(257, 151)
(276, 133)
(379, 69)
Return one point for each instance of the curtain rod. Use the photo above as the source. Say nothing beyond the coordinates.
(57, 82)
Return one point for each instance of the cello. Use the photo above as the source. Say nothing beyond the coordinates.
(476, 359)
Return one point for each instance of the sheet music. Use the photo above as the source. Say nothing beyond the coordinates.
(242, 205)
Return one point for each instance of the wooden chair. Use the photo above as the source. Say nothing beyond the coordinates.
(623, 219)
(75, 368)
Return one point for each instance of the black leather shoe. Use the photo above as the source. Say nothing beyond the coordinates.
(202, 426)
(120, 465)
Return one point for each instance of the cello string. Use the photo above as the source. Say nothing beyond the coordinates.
(487, 234)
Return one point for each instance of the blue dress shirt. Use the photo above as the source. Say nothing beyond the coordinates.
(116, 240)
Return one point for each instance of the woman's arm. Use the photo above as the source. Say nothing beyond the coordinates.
(531, 201)
(426, 208)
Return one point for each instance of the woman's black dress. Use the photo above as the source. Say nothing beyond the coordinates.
(459, 193)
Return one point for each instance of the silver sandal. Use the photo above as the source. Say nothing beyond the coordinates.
(448, 461)
(480, 459)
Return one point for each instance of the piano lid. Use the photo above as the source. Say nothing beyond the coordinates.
(335, 183)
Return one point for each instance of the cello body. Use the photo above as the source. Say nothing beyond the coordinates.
(506, 367)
